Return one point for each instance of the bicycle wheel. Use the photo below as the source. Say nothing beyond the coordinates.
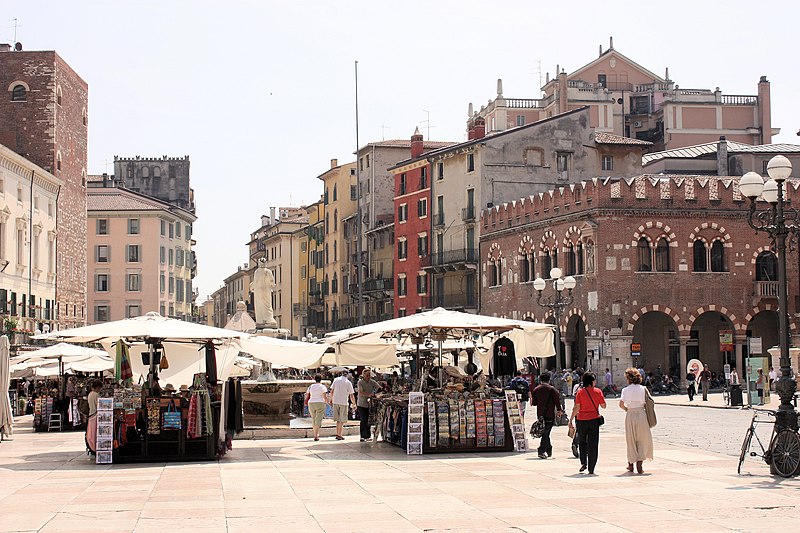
(786, 452)
(748, 437)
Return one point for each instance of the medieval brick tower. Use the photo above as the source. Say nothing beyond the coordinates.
(44, 117)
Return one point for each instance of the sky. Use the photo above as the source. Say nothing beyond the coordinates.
(260, 93)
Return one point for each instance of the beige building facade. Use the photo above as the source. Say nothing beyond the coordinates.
(28, 204)
(140, 255)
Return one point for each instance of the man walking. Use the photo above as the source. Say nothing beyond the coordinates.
(366, 390)
(705, 381)
(548, 405)
(341, 390)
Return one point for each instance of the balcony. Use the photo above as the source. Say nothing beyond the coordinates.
(438, 220)
(468, 214)
(299, 310)
(455, 301)
(766, 289)
(466, 258)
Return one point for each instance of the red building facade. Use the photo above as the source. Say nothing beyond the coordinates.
(666, 261)
(412, 217)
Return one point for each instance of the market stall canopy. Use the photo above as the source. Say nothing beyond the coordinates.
(64, 351)
(282, 352)
(149, 326)
(6, 417)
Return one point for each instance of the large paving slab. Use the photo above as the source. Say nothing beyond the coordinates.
(47, 483)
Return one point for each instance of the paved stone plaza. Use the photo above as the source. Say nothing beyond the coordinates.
(47, 483)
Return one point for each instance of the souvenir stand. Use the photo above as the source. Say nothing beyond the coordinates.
(56, 395)
(468, 416)
(168, 400)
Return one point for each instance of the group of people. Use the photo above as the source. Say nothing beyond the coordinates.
(585, 419)
(318, 397)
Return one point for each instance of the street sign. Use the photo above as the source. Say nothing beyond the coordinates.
(636, 349)
(756, 346)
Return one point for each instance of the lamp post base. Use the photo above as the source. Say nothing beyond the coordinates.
(786, 415)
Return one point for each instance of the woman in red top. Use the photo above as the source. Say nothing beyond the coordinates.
(588, 401)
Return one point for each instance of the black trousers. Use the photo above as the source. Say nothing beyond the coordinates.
(363, 416)
(690, 389)
(588, 442)
(545, 446)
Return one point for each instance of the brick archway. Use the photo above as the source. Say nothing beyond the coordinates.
(762, 306)
(664, 230)
(721, 309)
(577, 312)
(657, 308)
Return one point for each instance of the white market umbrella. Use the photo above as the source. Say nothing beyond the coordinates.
(149, 326)
(282, 352)
(62, 351)
(6, 417)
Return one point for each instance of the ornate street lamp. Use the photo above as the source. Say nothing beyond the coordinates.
(557, 302)
(779, 221)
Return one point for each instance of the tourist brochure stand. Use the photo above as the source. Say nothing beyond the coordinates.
(515, 420)
(105, 431)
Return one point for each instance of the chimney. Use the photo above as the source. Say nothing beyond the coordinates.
(480, 128)
(5, 47)
(562, 92)
(334, 163)
(722, 157)
(417, 144)
(264, 220)
(272, 219)
(764, 111)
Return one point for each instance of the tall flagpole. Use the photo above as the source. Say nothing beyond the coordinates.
(359, 222)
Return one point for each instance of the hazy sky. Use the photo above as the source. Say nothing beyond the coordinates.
(260, 94)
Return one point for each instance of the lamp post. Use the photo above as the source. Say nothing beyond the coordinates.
(779, 221)
(557, 302)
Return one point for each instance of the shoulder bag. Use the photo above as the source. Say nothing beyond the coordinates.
(602, 418)
(537, 428)
(172, 417)
(650, 409)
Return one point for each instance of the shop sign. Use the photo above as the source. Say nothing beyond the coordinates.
(726, 340)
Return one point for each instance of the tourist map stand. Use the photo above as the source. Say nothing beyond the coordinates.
(515, 420)
(105, 431)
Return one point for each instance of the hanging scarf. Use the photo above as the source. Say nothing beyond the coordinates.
(211, 362)
(122, 364)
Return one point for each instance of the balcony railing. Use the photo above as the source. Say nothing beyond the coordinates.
(766, 289)
(449, 257)
(468, 214)
(438, 220)
(466, 301)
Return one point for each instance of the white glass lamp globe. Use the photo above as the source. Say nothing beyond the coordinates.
(751, 185)
(569, 283)
(770, 192)
(555, 273)
(539, 284)
(779, 168)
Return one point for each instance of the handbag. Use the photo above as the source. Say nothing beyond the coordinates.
(171, 417)
(164, 363)
(537, 428)
(602, 419)
(562, 420)
(650, 409)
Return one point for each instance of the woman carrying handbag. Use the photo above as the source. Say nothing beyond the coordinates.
(586, 411)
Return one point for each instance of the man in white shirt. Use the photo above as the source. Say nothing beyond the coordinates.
(773, 375)
(341, 389)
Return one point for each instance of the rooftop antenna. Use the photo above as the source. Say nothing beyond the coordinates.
(428, 123)
(384, 127)
(14, 20)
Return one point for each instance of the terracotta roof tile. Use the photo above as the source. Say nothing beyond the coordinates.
(111, 199)
(610, 138)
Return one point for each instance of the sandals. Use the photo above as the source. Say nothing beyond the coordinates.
(630, 467)
(639, 468)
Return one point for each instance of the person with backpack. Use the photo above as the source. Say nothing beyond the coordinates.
(521, 386)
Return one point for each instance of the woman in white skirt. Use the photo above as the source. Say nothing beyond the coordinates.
(637, 430)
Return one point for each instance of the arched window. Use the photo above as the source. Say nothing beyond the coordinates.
(335, 252)
(571, 263)
(645, 257)
(85, 117)
(326, 253)
(524, 268)
(662, 256)
(554, 256)
(718, 256)
(547, 264)
(327, 223)
(335, 192)
(699, 256)
(19, 93)
(326, 196)
(58, 95)
(335, 214)
(495, 274)
(145, 171)
(58, 160)
(579, 256)
(335, 283)
(156, 172)
(766, 267)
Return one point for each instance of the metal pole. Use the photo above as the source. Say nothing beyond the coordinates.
(785, 386)
(557, 311)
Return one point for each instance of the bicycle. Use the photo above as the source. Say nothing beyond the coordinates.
(783, 452)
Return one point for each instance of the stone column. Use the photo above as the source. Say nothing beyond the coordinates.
(568, 355)
(739, 343)
(683, 361)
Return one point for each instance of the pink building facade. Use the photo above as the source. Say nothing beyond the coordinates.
(140, 256)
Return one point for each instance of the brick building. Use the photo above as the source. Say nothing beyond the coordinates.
(44, 118)
(667, 261)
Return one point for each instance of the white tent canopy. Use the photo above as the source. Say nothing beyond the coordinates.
(64, 351)
(282, 352)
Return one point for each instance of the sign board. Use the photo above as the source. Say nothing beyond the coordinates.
(756, 346)
(726, 340)
(727, 369)
(636, 349)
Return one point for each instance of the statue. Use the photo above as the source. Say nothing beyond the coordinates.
(589, 257)
(263, 285)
